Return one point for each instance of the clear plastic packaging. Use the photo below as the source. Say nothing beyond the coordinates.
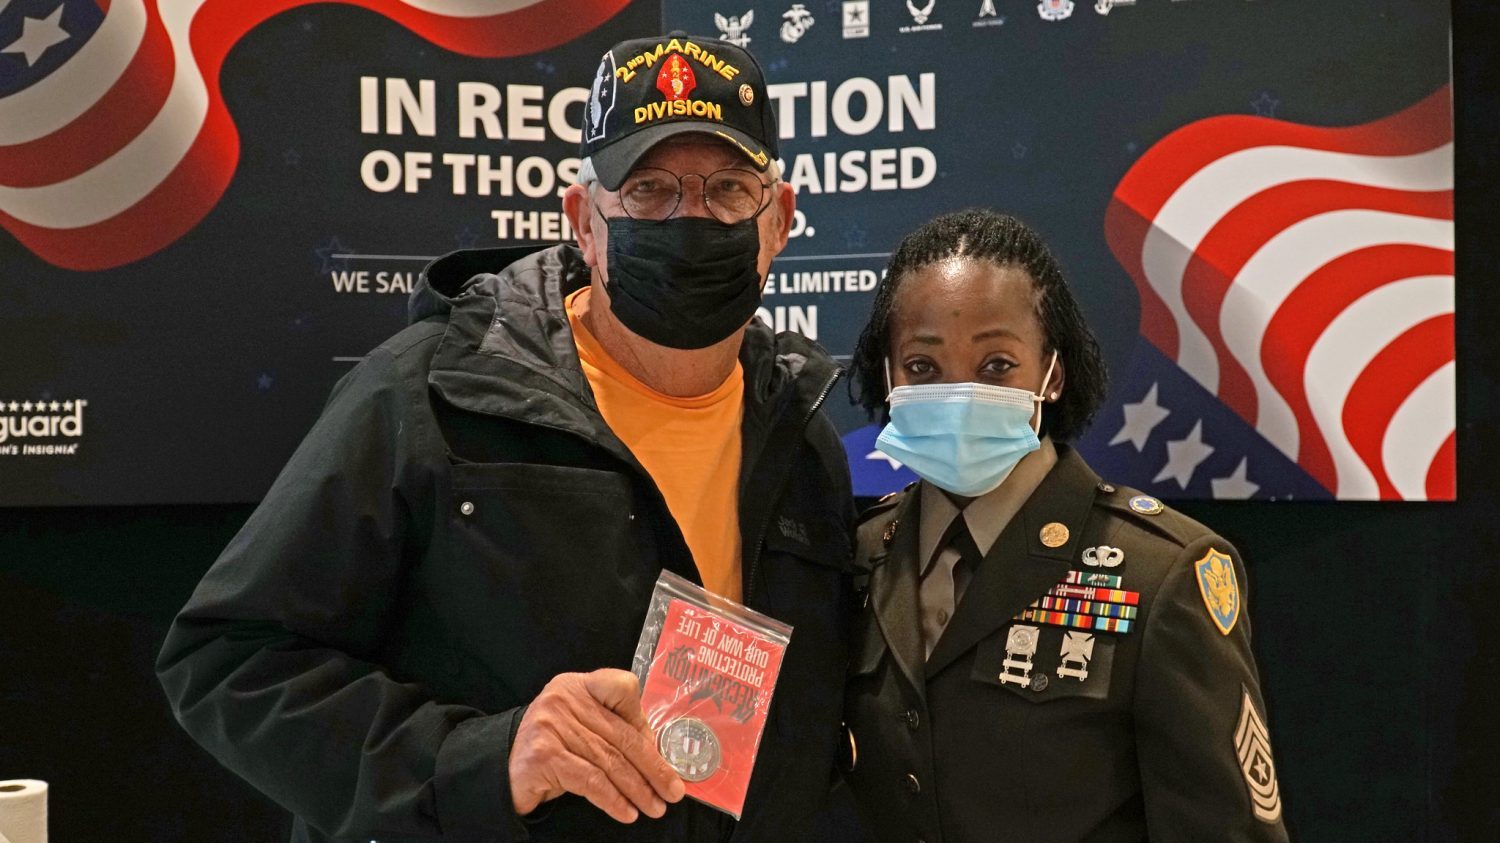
(708, 669)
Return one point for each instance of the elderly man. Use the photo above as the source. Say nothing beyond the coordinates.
(423, 631)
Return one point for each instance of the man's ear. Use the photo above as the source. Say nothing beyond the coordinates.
(578, 208)
(785, 200)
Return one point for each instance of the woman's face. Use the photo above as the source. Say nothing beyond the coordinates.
(963, 320)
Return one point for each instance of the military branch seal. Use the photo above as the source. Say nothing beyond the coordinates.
(691, 747)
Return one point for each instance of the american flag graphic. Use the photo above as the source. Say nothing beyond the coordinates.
(114, 139)
(1302, 278)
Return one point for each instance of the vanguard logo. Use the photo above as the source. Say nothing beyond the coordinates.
(40, 420)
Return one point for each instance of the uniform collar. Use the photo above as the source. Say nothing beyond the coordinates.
(893, 591)
(987, 515)
(1021, 566)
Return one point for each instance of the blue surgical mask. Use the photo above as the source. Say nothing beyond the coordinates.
(965, 438)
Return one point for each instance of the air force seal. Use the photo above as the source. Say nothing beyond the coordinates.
(1220, 589)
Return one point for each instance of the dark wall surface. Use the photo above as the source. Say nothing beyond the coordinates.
(1372, 621)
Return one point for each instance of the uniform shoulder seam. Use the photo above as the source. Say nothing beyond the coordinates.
(1152, 515)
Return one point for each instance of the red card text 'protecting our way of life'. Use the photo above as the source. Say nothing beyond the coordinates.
(708, 687)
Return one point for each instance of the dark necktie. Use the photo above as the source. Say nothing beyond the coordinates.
(943, 587)
(969, 557)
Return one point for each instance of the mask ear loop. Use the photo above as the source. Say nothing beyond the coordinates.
(1040, 396)
(594, 206)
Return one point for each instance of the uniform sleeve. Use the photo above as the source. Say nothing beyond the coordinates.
(1207, 770)
(271, 666)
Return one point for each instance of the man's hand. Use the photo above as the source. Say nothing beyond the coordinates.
(586, 734)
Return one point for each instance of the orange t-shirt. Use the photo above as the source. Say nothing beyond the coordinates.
(690, 446)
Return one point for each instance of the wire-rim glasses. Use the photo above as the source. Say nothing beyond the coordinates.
(731, 195)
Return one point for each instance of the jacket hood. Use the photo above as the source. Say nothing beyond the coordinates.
(508, 349)
(443, 280)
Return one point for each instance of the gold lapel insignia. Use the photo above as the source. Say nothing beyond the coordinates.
(1055, 534)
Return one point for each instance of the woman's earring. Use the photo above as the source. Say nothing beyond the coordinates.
(1054, 396)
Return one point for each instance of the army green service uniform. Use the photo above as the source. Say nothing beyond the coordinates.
(1124, 707)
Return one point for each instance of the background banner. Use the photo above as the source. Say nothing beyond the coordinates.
(1252, 200)
(210, 213)
(207, 208)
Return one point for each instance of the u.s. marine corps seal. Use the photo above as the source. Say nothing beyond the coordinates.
(691, 747)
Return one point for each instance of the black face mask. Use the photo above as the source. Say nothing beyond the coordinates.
(686, 282)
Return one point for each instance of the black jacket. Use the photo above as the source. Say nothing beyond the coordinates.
(1154, 741)
(460, 526)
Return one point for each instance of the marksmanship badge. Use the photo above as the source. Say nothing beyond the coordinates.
(1020, 646)
(1077, 650)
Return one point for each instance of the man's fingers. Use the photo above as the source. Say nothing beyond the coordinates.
(620, 692)
(577, 775)
(586, 734)
(636, 746)
(622, 772)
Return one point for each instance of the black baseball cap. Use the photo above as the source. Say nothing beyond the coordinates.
(649, 89)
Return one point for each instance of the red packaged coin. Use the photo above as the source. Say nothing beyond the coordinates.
(708, 669)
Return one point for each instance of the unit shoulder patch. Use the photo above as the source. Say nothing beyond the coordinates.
(1252, 746)
(1219, 587)
(1146, 505)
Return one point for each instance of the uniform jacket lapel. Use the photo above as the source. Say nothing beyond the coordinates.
(893, 586)
(1018, 568)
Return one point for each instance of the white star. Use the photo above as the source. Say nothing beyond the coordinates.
(1236, 486)
(68, 406)
(14, 407)
(1184, 456)
(1260, 770)
(1141, 418)
(26, 406)
(881, 455)
(54, 406)
(37, 35)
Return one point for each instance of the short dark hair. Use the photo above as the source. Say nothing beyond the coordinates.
(983, 234)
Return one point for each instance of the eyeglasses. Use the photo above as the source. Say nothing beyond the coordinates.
(731, 195)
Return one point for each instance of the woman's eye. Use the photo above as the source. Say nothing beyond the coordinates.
(919, 367)
(998, 367)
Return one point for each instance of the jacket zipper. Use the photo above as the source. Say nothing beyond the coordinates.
(765, 524)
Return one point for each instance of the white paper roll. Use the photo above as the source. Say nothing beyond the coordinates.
(23, 811)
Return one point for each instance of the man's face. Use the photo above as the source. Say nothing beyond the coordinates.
(681, 155)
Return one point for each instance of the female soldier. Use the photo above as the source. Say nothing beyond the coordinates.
(1042, 656)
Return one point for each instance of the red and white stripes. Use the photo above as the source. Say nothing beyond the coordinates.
(126, 146)
(1305, 276)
